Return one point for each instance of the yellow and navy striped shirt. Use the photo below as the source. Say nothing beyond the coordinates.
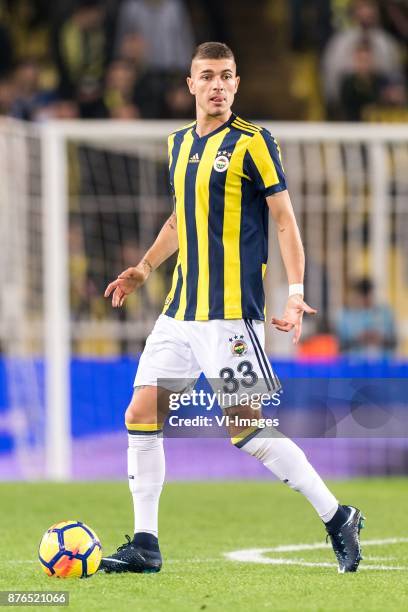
(220, 182)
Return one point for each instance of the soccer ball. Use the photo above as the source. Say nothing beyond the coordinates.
(70, 549)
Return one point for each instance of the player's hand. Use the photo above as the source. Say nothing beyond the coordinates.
(292, 317)
(127, 282)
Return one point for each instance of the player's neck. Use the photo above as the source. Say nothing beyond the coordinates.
(207, 124)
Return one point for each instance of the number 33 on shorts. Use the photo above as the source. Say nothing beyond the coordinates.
(230, 353)
(248, 369)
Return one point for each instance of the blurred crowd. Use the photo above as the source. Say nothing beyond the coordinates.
(127, 59)
(94, 59)
(362, 49)
(363, 329)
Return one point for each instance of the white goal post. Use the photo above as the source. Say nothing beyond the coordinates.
(348, 183)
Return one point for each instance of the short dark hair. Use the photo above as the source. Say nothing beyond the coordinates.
(213, 50)
(363, 286)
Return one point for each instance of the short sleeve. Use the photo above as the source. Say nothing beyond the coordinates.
(263, 164)
(170, 145)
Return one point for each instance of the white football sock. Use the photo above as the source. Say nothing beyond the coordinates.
(289, 463)
(146, 468)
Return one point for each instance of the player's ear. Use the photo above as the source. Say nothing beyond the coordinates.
(190, 85)
(237, 80)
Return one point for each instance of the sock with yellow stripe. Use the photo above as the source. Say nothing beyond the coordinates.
(289, 463)
(146, 468)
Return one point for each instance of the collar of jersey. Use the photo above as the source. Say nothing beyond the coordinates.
(219, 129)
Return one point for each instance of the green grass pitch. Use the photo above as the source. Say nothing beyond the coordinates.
(199, 522)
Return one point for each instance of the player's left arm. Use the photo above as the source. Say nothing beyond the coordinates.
(263, 165)
(293, 256)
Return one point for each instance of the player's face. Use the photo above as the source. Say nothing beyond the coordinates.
(214, 84)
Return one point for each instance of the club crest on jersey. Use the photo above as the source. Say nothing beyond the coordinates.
(221, 162)
(238, 346)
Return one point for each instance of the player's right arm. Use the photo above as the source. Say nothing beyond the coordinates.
(131, 279)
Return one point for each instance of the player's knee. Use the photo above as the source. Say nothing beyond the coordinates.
(241, 419)
(133, 411)
(132, 414)
(142, 408)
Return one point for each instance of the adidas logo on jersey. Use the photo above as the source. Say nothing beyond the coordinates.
(194, 159)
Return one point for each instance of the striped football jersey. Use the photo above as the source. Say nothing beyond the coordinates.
(220, 182)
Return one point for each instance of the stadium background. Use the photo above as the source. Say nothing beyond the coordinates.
(85, 77)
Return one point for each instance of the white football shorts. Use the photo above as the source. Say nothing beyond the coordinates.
(229, 352)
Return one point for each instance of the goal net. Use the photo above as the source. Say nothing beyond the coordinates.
(81, 201)
(22, 300)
